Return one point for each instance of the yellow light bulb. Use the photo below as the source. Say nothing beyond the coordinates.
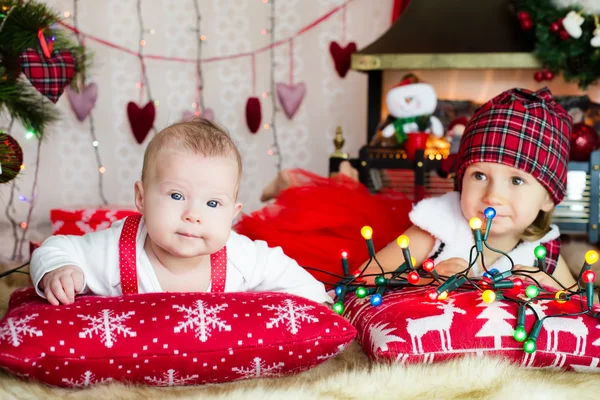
(475, 223)
(443, 296)
(488, 296)
(414, 262)
(591, 257)
(366, 232)
(560, 296)
(403, 241)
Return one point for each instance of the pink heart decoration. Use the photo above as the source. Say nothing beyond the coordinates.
(342, 57)
(290, 97)
(83, 102)
(207, 114)
(141, 120)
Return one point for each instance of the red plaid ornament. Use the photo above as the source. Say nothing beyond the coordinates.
(522, 129)
(51, 75)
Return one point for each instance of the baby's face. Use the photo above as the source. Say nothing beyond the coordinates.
(189, 202)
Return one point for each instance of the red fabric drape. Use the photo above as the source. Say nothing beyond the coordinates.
(398, 7)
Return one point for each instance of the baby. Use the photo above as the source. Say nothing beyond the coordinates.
(182, 242)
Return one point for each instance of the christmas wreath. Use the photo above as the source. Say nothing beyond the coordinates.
(567, 38)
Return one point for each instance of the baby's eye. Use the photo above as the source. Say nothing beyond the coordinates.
(176, 196)
(517, 181)
(212, 203)
(479, 176)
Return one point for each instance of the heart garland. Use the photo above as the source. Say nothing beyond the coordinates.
(51, 75)
(342, 57)
(141, 120)
(83, 102)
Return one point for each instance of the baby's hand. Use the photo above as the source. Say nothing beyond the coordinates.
(451, 266)
(60, 285)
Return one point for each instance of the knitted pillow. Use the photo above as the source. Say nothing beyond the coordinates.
(409, 328)
(167, 339)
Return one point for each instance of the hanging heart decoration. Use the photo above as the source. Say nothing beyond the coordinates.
(253, 114)
(50, 75)
(342, 57)
(46, 47)
(290, 97)
(141, 120)
(82, 102)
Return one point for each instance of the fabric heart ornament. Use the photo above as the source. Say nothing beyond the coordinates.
(141, 119)
(51, 75)
(253, 114)
(206, 114)
(342, 57)
(290, 97)
(82, 102)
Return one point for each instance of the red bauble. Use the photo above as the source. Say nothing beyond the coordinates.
(538, 76)
(584, 140)
(555, 27)
(548, 75)
(526, 24)
(11, 158)
(564, 35)
(523, 15)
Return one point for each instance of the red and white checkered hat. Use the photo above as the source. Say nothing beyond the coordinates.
(522, 129)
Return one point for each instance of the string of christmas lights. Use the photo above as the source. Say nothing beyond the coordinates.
(144, 83)
(95, 143)
(275, 149)
(30, 201)
(198, 105)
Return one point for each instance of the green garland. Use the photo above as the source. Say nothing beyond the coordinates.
(576, 59)
(19, 25)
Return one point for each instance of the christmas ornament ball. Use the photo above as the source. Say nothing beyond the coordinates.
(584, 140)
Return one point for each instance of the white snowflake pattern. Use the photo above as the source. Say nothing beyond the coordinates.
(380, 336)
(14, 329)
(170, 378)
(107, 325)
(85, 380)
(258, 368)
(290, 313)
(202, 319)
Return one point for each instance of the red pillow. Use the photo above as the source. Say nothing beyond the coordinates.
(167, 339)
(409, 328)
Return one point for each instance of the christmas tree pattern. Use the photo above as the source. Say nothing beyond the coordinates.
(170, 378)
(380, 337)
(107, 325)
(85, 380)
(202, 319)
(258, 368)
(14, 329)
(496, 325)
(290, 313)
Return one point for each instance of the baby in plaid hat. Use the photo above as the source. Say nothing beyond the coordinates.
(513, 157)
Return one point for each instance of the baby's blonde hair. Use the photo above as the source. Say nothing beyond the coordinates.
(199, 136)
(539, 227)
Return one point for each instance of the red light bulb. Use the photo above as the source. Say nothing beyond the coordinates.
(589, 276)
(428, 265)
(413, 277)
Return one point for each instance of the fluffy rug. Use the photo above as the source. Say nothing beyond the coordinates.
(348, 376)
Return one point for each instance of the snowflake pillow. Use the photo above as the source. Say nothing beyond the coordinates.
(409, 328)
(166, 339)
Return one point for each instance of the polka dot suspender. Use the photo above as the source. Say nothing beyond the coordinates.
(127, 260)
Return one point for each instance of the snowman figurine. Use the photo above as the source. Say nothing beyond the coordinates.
(411, 104)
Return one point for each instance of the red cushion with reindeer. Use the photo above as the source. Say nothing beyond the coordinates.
(408, 328)
(167, 339)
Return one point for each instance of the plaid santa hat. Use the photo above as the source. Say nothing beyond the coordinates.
(522, 129)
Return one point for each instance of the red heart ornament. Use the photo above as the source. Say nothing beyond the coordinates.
(51, 75)
(253, 114)
(342, 57)
(141, 119)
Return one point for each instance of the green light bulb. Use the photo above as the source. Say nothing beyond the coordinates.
(380, 280)
(532, 291)
(529, 346)
(520, 334)
(540, 251)
(338, 308)
(361, 292)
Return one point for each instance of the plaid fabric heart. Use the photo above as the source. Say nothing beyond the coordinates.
(51, 75)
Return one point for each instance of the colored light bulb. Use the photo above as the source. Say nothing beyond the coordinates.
(380, 280)
(591, 257)
(338, 290)
(488, 296)
(366, 232)
(475, 223)
(361, 292)
(588, 276)
(343, 254)
(413, 277)
(561, 296)
(529, 346)
(520, 334)
(433, 296)
(443, 296)
(489, 213)
(338, 308)
(518, 283)
(376, 300)
(403, 241)
(532, 291)
(428, 265)
(540, 252)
